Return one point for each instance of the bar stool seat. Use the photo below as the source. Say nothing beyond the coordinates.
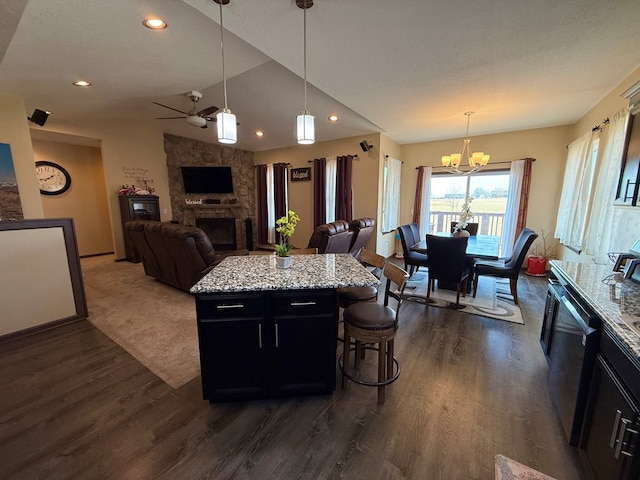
(373, 327)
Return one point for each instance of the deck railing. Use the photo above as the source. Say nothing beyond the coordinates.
(488, 223)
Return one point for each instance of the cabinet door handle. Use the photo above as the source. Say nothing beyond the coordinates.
(226, 307)
(623, 431)
(277, 340)
(260, 335)
(302, 304)
(614, 429)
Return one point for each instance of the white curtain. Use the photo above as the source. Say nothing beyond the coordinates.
(425, 212)
(516, 175)
(576, 192)
(271, 206)
(599, 229)
(331, 172)
(391, 201)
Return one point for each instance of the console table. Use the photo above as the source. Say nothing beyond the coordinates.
(267, 332)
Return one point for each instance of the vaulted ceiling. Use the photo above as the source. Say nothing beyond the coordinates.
(408, 68)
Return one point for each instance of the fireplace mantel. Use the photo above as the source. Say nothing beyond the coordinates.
(215, 206)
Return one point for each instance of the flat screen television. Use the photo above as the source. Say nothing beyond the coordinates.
(207, 179)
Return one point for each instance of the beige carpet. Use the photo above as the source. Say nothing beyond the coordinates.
(492, 300)
(155, 323)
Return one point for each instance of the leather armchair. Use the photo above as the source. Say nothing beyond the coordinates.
(362, 231)
(334, 237)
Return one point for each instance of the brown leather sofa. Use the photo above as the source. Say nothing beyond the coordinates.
(177, 255)
(362, 231)
(342, 237)
(334, 237)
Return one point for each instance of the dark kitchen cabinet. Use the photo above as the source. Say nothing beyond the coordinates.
(629, 181)
(610, 437)
(267, 344)
(137, 207)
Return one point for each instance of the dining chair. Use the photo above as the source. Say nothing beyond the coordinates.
(373, 326)
(472, 227)
(409, 236)
(447, 262)
(509, 268)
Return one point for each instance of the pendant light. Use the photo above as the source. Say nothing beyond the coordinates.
(225, 120)
(305, 128)
(476, 160)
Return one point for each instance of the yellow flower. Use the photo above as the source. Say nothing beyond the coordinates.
(286, 226)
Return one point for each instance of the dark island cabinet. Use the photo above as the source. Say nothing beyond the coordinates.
(267, 344)
(611, 438)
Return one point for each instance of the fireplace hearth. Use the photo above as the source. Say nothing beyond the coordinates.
(221, 232)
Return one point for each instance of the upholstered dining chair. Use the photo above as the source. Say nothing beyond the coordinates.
(409, 236)
(509, 268)
(373, 327)
(447, 262)
(471, 227)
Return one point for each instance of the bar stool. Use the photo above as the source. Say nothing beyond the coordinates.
(373, 327)
(349, 295)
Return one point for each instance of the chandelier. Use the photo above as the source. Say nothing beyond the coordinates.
(476, 160)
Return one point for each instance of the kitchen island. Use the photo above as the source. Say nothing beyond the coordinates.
(609, 439)
(269, 332)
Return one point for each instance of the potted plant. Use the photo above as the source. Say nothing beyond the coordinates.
(286, 226)
(541, 253)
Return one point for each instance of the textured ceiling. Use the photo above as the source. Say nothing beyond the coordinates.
(409, 69)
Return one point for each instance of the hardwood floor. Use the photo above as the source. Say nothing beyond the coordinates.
(76, 405)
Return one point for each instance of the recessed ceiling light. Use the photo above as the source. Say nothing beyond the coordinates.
(154, 23)
(259, 133)
(333, 118)
(82, 83)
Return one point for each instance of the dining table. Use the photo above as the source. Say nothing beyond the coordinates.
(478, 246)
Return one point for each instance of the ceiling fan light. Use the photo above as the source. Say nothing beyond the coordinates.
(305, 128)
(226, 124)
(196, 121)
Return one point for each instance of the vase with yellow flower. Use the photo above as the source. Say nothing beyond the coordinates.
(285, 226)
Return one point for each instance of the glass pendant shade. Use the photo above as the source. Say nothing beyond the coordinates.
(305, 128)
(226, 123)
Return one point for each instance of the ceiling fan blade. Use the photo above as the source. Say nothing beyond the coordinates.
(205, 112)
(170, 108)
(168, 118)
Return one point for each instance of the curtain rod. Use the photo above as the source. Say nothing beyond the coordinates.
(490, 163)
(598, 127)
(354, 156)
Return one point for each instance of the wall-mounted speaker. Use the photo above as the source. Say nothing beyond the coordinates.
(365, 146)
(39, 117)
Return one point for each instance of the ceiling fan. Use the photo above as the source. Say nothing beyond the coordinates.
(193, 116)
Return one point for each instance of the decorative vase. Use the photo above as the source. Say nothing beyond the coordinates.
(283, 262)
(460, 233)
(536, 266)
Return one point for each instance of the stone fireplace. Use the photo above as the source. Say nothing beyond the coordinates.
(221, 232)
(237, 210)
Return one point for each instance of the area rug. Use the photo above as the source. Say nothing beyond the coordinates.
(155, 323)
(508, 469)
(492, 300)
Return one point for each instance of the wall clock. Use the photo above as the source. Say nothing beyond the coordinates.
(52, 178)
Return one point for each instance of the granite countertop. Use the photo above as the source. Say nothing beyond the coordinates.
(259, 272)
(615, 299)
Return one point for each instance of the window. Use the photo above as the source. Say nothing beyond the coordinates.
(391, 183)
(489, 193)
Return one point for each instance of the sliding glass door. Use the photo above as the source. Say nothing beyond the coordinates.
(488, 192)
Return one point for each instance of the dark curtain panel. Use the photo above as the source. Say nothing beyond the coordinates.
(280, 189)
(524, 196)
(417, 202)
(344, 194)
(319, 191)
(261, 187)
